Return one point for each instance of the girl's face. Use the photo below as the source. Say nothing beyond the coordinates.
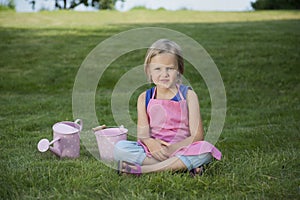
(163, 70)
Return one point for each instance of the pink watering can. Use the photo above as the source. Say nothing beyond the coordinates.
(66, 139)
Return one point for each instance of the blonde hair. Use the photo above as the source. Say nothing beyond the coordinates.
(164, 46)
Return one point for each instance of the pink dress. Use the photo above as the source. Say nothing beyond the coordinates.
(169, 121)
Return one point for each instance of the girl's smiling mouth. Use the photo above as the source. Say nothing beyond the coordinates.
(164, 80)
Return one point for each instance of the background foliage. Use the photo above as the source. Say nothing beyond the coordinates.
(101, 4)
(276, 4)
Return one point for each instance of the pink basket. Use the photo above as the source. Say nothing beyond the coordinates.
(106, 140)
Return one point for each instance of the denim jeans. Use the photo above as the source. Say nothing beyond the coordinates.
(133, 152)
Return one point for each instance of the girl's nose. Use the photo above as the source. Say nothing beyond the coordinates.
(165, 73)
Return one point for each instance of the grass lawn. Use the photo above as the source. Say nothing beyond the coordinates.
(257, 54)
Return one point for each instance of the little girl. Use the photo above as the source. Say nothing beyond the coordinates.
(169, 126)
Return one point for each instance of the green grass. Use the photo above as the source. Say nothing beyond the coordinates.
(257, 54)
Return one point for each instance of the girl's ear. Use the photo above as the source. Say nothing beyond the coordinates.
(149, 74)
(179, 81)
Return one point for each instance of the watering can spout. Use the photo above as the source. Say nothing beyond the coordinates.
(56, 151)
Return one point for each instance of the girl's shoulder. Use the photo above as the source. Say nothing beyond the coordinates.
(142, 96)
(184, 90)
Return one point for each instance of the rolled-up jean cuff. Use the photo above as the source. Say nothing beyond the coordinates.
(185, 161)
(141, 159)
(196, 160)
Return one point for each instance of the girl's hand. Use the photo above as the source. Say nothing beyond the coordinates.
(158, 149)
(163, 152)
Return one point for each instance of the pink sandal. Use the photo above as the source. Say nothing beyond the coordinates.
(197, 171)
(128, 169)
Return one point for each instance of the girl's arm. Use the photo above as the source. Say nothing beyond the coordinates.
(143, 130)
(195, 124)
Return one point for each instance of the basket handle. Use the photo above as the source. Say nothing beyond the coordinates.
(79, 121)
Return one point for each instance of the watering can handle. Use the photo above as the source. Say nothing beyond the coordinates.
(79, 121)
(54, 140)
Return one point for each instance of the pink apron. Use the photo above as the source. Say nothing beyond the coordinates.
(169, 122)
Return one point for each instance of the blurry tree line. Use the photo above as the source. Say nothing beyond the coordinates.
(68, 4)
(110, 4)
(276, 4)
(7, 4)
(100, 4)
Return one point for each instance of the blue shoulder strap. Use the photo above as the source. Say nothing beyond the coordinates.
(149, 94)
(183, 89)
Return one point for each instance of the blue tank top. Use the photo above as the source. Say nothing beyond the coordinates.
(183, 89)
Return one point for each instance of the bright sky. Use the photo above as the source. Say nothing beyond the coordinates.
(204, 5)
